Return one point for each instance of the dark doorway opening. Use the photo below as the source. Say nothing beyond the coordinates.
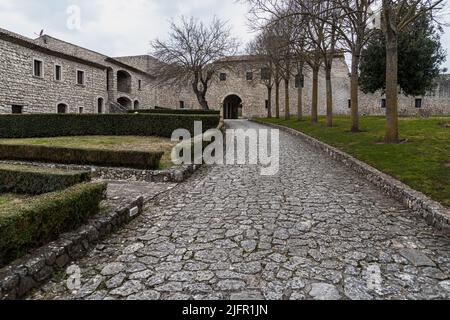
(62, 108)
(100, 103)
(125, 102)
(232, 107)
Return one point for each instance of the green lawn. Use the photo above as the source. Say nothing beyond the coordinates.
(422, 161)
(11, 200)
(105, 142)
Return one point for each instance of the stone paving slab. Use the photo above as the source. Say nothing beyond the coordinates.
(314, 231)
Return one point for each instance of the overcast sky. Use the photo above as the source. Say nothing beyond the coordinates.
(122, 27)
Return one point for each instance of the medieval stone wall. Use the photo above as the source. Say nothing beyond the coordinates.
(18, 85)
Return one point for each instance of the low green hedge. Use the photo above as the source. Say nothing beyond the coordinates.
(57, 125)
(35, 181)
(39, 220)
(107, 158)
(176, 111)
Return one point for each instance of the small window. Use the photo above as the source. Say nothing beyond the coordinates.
(62, 108)
(418, 103)
(349, 103)
(38, 68)
(58, 72)
(15, 109)
(181, 104)
(81, 110)
(267, 104)
(223, 77)
(299, 81)
(249, 76)
(265, 74)
(140, 84)
(383, 103)
(80, 78)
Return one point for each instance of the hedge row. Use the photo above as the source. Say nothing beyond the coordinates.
(35, 181)
(106, 158)
(176, 112)
(42, 219)
(56, 125)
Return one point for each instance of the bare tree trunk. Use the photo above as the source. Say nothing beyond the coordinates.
(287, 107)
(277, 100)
(329, 90)
(269, 102)
(300, 103)
(315, 90)
(354, 92)
(201, 95)
(392, 135)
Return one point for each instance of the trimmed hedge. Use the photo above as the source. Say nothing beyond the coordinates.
(42, 219)
(35, 181)
(57, 125)
(108, 158)
(175, 111)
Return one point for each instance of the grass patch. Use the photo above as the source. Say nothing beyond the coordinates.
(116, 143)
(422, 162)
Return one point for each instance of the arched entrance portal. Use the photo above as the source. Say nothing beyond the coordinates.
(232, 107)
(125, 102)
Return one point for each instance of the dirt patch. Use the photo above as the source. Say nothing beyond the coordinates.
(447, 163)
(444, 125)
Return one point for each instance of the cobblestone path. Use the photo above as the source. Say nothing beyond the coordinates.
(315, 231)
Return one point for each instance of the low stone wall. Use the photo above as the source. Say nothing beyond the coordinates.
(27, 273)
(433, 212)
(178, 174)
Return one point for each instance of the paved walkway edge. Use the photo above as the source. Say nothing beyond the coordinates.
(433, 212)
(29, 272)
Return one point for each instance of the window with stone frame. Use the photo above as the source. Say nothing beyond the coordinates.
(418, 103)
(249, 76)
(223, 76)
(383, 103)
(182, 105)
(58, 72)
(265, 74)
(16, 109)
(38, 68)
(81, 77)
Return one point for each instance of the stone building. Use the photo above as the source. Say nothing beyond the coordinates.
(48, 75)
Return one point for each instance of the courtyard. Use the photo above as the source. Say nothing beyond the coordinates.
(314, 231)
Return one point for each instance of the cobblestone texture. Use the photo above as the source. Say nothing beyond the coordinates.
(315, 231)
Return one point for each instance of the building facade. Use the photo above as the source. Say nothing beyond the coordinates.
(48, 75)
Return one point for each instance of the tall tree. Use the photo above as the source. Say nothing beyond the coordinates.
(420, 57)
(397, 16)
(188, 56)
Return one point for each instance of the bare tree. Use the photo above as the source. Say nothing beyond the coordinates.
(398, 15)
(266, 52)
(189, 55)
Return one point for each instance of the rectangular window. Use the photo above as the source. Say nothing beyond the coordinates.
(249, 76)
(383, 103)
(38, 68)
(140, 84)
(80, 77)
(265, 74)
(349, 103)
(15, 109)
(181, 104)
(58, 72)
(223, 77)
(267, 104)
(418, 103)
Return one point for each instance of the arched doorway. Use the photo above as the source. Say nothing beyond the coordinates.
(232, 107)
(62, 108)
(100, 104)
(123, 81)
(125, 102)
(136, 105)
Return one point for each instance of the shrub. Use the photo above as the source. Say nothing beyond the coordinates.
(111, 158)
(42, 219)
(56, 125)
(176, 112)
(35, 181)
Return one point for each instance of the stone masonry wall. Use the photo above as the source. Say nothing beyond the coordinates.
(18, 86)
